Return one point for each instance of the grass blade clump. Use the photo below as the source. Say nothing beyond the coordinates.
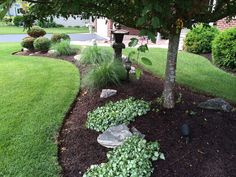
(132, 159)
(123, 111)
(64, 48)
(95, 55)
(103, 74)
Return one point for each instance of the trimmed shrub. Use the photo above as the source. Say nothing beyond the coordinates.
(123, 111)
(199, 39)
(103, 74)
(95, 55)
(42, 44)
(132, 159)
(64, 48)
(224, 49)
(28, 43)
(7, 20)
(18, 21)
(36, 32)
(58, 37)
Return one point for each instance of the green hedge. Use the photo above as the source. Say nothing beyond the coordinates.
(224, 49)
(199, 39)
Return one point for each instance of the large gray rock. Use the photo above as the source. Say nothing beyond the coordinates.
(216, 104)
(114, 136)
(107, 93)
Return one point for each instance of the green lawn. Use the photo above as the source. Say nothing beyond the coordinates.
(20, 30)
(195, 72)
(35, 94)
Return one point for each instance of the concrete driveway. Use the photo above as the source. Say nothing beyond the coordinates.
(74, 37)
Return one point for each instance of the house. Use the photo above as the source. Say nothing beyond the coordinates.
(16, 10)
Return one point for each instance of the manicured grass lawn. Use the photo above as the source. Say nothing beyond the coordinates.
(19, 30)
(35, 94)
(195, 72)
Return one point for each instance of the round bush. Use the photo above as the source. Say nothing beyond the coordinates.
(42, 44)
(224, 49)
(18, 20)
(28, 43)
(59, 36)
(199, 39)
(36, 32)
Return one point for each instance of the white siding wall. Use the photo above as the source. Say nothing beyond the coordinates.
(71, 21)
(102, 29)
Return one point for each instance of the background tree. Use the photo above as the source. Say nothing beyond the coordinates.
(150, 16)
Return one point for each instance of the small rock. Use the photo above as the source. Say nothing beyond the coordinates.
(132, 71)
(25, 50)
(107, 93)
(37, 53)
(77, 57)
(32, 54)
(216, 104)
(52, 52)
(114, 136)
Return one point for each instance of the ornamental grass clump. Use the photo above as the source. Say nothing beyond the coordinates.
(95, 55)
(108, 72)
(132, 159)
(64, 48)
(120, 112)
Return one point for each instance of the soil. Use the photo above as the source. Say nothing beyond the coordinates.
(211, 152)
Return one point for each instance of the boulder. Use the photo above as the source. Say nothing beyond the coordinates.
(216, 104)
(52, 52)
(107, 93)
(77, 57)
(114, 136)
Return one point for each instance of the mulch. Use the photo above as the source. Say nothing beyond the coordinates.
(211, 152)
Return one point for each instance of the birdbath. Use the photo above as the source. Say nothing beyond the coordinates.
(118, 45)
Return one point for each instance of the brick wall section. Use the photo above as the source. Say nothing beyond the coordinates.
(132, 31)
(222, 24)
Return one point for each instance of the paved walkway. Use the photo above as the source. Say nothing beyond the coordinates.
(74, 37)
(88, 39)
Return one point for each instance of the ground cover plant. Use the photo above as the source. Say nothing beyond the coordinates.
(133, 158)
(35, 94)
(195, 72)
(224, 49)
(123, 111)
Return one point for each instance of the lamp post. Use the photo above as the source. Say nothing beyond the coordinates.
(118, 45)
(128, 64)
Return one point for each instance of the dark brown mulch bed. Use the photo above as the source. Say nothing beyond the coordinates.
(211, 153)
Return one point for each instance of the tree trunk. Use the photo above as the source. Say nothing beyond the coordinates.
(168, 93)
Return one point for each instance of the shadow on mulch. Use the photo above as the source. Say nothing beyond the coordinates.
(211, 153)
